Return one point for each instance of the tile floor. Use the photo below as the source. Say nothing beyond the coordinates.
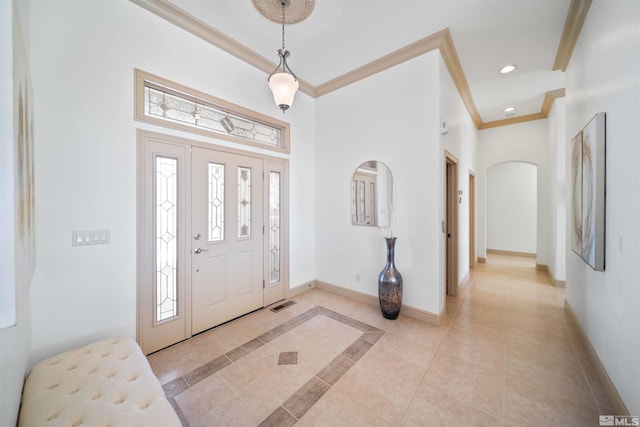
(505, 354)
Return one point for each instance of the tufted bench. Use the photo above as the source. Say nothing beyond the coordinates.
(107, 383)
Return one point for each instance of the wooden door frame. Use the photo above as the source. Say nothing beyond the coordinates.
(451, 233)
(142, 232)
(472, 219)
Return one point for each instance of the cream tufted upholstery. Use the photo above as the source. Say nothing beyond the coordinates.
(107, 383)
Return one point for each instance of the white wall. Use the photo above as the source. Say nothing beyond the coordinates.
(511, 196)
(557, 194)
(390, 117)
(15, 333)
(83, 56)
(522, 142)
(604, 76)
(461, 141)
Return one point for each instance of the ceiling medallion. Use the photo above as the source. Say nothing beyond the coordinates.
(297, 10)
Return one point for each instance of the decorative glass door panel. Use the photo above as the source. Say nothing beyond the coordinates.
(226, 268)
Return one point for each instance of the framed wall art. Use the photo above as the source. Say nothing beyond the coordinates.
(588, 192)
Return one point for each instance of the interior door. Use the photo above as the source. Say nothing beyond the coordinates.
(226, 237)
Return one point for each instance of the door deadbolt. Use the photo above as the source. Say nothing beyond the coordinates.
(197, 236)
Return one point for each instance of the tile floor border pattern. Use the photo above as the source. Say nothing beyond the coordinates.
(302, 400)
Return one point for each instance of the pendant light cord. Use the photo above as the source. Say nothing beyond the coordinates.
(282, 2)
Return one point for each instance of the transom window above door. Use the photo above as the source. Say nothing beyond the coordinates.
(165, 103)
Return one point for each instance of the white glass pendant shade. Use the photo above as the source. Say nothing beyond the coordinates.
(284, 87)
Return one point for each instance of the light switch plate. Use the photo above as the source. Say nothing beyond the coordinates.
(89, 237)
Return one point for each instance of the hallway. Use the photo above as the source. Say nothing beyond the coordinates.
(505, 354)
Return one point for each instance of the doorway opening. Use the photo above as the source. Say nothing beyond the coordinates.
(511, 209)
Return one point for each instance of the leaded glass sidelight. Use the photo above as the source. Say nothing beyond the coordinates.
(215, 202)
(354, 197)
(166, 213)
(274, 227)
(372, 203)
(244, 202)
(361, 202)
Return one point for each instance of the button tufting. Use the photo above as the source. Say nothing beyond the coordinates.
(52, 417)
(111, 375)
(51, 387)
(125, 357)
(106, 354)
(74, 391)
(96, 396)
(77, 423)
(120, 401)
(93, 371)
(133, 378)
(71, 368)
(145, 405)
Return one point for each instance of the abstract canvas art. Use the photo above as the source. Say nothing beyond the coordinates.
(576, 194)
(588, 192)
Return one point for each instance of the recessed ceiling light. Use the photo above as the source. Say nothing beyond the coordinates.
(509, 109)
(507, 69)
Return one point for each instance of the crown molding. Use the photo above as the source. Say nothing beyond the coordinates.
(512, 121)
(572, 26)
(450, 57)
(547, 103)
(171, 13)
(399, 56)
(441, 40)
(549, 99)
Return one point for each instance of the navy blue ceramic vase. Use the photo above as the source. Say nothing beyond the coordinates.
(390, 285)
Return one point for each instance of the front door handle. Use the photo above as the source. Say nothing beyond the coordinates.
(198, 250)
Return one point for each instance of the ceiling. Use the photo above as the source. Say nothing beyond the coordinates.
(343, 35)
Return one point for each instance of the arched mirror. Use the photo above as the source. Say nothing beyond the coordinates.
(372, 195)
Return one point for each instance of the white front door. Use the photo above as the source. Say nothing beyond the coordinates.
(212, 227)
(227, 235)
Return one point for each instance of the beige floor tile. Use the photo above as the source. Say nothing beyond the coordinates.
(505, 354)
(430, 407)
(526, 405)
(336, 409)
(198, 409)
(556, 380)
(473, 351)
(175, 361)
(384, 390)
(476, 387)
(270, 391)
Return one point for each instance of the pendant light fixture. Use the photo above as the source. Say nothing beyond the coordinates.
(282, 82)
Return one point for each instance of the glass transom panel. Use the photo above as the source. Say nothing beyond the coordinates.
(172, 106)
